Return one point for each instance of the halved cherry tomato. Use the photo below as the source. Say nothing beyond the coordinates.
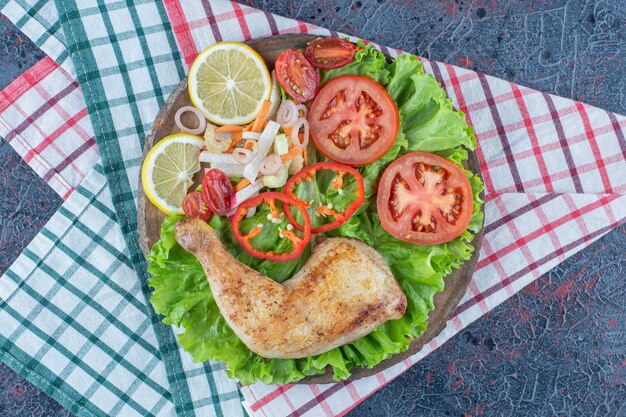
(218, 191)
(298, 243)
(330, 53)
(325, 210)
(296, 75)
(194, 206)
(353, 120)
(424, 199)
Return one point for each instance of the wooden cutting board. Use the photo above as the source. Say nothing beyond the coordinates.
(150, 218)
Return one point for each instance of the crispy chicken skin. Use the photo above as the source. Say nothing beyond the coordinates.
(343, 292)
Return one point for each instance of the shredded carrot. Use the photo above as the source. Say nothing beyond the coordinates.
(293, 152)
(338, 181)
(236, 138)
(291, 235)
(229, 129)
(306, 159)
(248, 128)
(249, 145)
(325, 211)
(307, 178)
(288, 131)
(242, 184)
(273, 210)
(252, 233)
(261, 118)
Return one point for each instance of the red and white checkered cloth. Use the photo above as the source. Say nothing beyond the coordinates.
(43, 117)
(554, 171)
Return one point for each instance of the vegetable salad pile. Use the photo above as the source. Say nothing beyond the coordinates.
(270, 192)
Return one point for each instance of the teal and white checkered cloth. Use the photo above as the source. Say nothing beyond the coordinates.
(76, 320)
(73, 307)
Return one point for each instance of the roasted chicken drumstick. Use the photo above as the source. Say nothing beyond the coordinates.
(343, 292)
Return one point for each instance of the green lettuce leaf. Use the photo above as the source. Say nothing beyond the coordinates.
(428, 123)
(428, 119)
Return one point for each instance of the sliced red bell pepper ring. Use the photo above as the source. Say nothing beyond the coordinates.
(298, 242)
(341, 217)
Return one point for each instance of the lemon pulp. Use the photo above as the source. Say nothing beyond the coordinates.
(228, 82)
(168, 170)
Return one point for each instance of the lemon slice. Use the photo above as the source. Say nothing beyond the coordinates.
(228, 82)
(167, 171)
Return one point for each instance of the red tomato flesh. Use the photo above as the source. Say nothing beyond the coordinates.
(218, 191)
(353, 120)
(194, 206)
(328, 53)
(296, 75)
(424, 199)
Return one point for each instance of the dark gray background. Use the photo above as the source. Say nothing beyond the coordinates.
(556, 349)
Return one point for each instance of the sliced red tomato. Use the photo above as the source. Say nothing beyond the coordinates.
(330, 53)
(424, 199)
(353, 120)
(339, 216)
(218, 191)
(296, 75)
(194, 206)
(298, 243)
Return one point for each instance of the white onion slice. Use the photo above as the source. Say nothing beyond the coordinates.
(217, 158)
(267, 138)
(251, 171)
(242, 155)
(244, 194)
(201, 120)
(231, 170)
(250, 135)
(271, 164)
(274, 98)
(251, 212)
(302, 108)
(287, 113)
(295, 137)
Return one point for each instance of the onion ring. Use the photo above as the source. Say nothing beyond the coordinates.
(287, 114)
(201, 120)
(242, 155)
(302, 108)
(271, 164)
(295, 137)
(251, 144)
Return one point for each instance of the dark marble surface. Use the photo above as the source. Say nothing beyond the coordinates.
(26, 203)
(556, 349)
(571, 48)
(17, 52)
